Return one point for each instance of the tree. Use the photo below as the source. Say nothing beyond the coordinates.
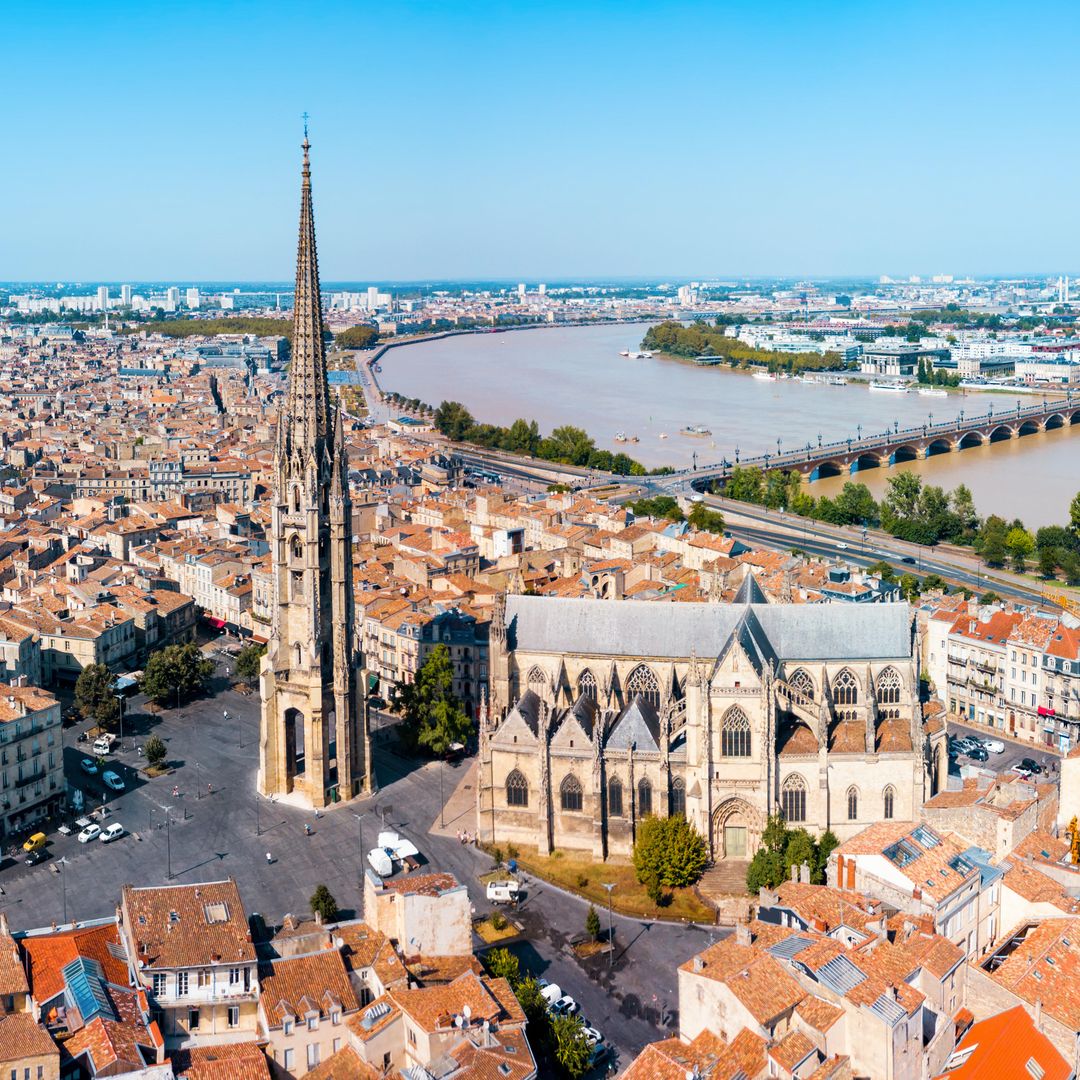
(1074, 514)
(1048, 562)
(532, 1002)
(568, 444)
(155, 751)
(669, 852)
(1070, 567)
(95, 695)
(357, 337)
(701, 517)
(453, 420)
(323, 904)
(990, 543)
(176, 670)
(934, 583)
(1020, 545)
(1055, 536)
(883, 570)
(433, 715)
(569, 1046)
(592, 924)
(856, 505)
(781, 849)
(909, 587)
(503, 964)
(801, 849)
(248, 661)
(989, 597)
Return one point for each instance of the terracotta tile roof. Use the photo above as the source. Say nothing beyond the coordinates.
(421, 884)
(229, 1061)
(188, 925)
(346, 1064)
(432, 970)
(792, 1050)
(12, 973)
(47, 954)
(1003, 1048)
(818, 1013)
(1046, 967)
(825, 908)
(797, 739)
(434, 1007)
(372, 1019)
(848, 737)
(710, 1055)
(1039, 888)
(300, 985)
(22, 1037)
(502, 1055)
(111, 1043)
(363, 947)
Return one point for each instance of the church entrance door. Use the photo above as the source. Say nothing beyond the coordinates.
(735, 841)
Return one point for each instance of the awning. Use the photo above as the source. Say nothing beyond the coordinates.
(372, 682)
(218, 624)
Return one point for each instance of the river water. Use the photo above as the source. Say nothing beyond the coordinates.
(575, 375)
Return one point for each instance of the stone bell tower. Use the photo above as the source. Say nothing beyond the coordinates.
(313, 744)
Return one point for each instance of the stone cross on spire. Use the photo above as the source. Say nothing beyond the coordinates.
(304, 425)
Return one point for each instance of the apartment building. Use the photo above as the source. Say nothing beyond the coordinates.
(31, 757)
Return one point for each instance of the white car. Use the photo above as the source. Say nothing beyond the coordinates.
(551, 993)
(565, 1006)
(592, 1036)
(993, 746)
(840, 544)
(91, 832)
(1020, 771)
(113, 832)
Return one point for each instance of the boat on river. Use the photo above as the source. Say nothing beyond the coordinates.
(888, 388)
(764, 376)
(929, 391)
(697, 431)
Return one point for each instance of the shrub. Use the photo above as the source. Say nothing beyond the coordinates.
(155, 751)
(503, 964)
(498, 921)
(592, 924)
(323, 904)
(582, 881)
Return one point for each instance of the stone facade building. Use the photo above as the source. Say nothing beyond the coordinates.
(603, 712)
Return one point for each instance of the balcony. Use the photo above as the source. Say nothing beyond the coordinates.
(31, 779)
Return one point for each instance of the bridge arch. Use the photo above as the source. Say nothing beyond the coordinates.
(1054, 420)
(1074, 417)
(866, 461)
(1029, 427)
(938, 446)
(1001, 433)
(971, 438)
(903, 453)
(827, 468)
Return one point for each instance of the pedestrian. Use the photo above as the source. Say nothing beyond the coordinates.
(176, 791)
(210, 789)
(307, 829)
(269, 858)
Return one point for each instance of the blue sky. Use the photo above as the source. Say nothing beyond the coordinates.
(539, 140)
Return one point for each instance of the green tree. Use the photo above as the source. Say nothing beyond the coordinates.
(828, 843)
(503, 964)
(357, 337)
(990, 543)
(454, 420)
(669, 852)
(883, 570)
(909, 587)
(660, 506)
(522, 436)
(323, 904)
(856, 505)
(176, 670)
(1048, 562)
(569, 1046)
(155, 751)
(801, 849)
(95, 695)
(1070, 567)
(1074, 514)
(1020, 545)
(592, 924)
(568, 444)
(248, 661)
(1055, 536)
(433, 715)
(989, 597)
(701, 517)
(532, 1003)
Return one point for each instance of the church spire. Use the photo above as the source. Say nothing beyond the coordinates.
(305, 419)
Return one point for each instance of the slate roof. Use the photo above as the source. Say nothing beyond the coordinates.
(638, 725)
(642, 628)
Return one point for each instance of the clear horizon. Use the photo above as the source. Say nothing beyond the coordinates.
(539, 142)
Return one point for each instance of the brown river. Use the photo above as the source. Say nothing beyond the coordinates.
(576, 375)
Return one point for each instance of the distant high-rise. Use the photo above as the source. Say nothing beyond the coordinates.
(372, 297)
(542, 289)
(102, 298)
(192, 299)
(125, 296)
(172, 298)
(522, 290)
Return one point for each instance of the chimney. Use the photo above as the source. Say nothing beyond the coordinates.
(839, 871)
(699, 964)
(804, 873)
(743, 935)
(795, 876)
(4, 923)
(1038, 1014)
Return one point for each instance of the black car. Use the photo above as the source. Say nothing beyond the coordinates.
(1031, 765)
(36, 857)
(909, 559)
(977, 753)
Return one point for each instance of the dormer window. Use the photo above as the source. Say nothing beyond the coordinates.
(287, 1027)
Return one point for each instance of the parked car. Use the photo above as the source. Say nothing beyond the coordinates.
(111, 779)
(502, 892)
(88, 766)
(977, 753)
(993, 746)
(550, 992)
(36, 842)
(36, 857)
(103, 744)
(1031, 765)
(113, 832)
(91, 832)
(592, 1035)
(1021, 771)
(565, 1006)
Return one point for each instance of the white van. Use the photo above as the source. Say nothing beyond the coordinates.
(103, 744)
(113, 832)
(502, 892)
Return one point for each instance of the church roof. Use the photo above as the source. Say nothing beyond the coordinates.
(643, 628)
(638, 726)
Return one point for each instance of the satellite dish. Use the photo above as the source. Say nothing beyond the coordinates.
(467, 1012)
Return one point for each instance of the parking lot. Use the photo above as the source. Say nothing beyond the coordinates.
(215, 827)
(1014, 752)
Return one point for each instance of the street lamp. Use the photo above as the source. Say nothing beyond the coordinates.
(609, 885)
(858, 431)
(258, 830)
(63, 885)
(442, 797)
(198, 782)
(360, 827)
(819, 440)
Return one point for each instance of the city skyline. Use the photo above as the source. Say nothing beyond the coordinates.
(544, 143)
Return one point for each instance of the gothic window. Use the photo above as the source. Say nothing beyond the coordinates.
(845, 689)
(888, 687)
(586, 685)
(802, 682)
(517, 790)
(852, 804)
(298, 655)
(570, 793)
(793, 799)
(644, 797)
(678, 798)
(614, 797)
(296, 498)
(889, 800)
(297, 548)
(735, 734)
(537, 681)
(642, 683)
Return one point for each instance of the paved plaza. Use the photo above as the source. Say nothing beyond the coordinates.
(217, 828)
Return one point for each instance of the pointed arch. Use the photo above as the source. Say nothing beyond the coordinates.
(298, 655)
(537, 681)
(889, 687)
(852, 803)
(517, 789)
(801, 680)
(615, 797)
(677, 803)
(793, 799)
(644, 797)
(642, 683)
(888, 801)
(570, 796)
(296, 547)
(845, 688)
(735, 733)
(586, 685)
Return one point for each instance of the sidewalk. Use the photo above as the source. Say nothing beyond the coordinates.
(459, 812)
